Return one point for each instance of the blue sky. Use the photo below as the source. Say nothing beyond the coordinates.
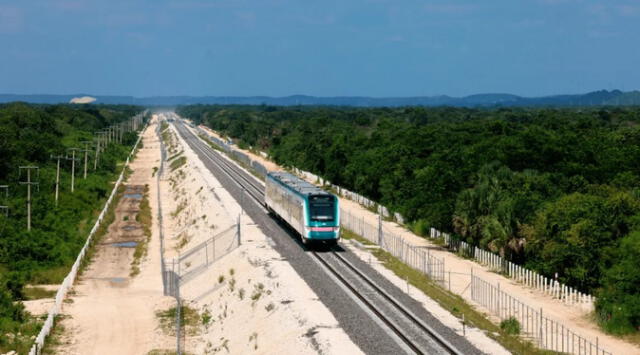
(323, 48)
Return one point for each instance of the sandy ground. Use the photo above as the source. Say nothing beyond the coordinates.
(110, 312)
(574, 317)
(256, 301)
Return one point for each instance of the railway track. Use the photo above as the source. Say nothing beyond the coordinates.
(416, 336)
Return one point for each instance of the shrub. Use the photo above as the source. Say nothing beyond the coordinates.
(510, 326)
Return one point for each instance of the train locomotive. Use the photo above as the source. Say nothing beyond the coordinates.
(311, 211)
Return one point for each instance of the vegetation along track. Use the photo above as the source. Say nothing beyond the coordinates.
(418, 337)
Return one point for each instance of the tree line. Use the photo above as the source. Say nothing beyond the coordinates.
(29, 136)
(554, 189)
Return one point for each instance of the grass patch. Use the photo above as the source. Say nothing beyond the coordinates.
(178, 163)
(183, 242)
(155, 170)
(109, 218)
(17, 334)
(145, 218)
(349, 235)
(54, 275)
(181, 206)
(210, 143)
(35, 293)
(190, 320)
(54, 339)
(174, 156)
(456, 305)
(510, 326)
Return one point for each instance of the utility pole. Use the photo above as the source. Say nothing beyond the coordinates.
(73, 165)
(29, 183)
(99, 147)
(57, 157)
(5, 208)
(86, 154)
(95, 159)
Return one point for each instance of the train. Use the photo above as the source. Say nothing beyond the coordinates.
(309, 210)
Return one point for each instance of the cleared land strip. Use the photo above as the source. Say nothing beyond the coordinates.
(112, 307)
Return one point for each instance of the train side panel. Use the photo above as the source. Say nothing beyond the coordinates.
(289, 206)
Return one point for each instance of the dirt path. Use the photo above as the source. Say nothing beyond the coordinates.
(113, 312)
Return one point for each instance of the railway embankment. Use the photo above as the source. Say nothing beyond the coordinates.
(240, 295)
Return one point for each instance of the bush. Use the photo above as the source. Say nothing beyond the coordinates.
(618, 302)
(420, 227)
(510, 326)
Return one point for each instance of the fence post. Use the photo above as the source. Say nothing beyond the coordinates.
(239, 237)
(380, 230)
(424, 263)
(206, 252)
(540, 325)
(178, 310)
(472, 285)
(498, 300)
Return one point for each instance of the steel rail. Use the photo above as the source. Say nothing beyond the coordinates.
(390, 324)
(397, 305)
(255, 190)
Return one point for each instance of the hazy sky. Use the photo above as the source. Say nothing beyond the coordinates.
(324, 48)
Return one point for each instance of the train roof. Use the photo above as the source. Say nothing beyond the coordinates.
(296, 184)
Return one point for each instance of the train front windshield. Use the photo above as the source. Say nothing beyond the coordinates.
(322, 208)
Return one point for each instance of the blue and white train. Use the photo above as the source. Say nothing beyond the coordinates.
(311, 211)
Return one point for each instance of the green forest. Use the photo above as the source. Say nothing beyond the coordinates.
(554, 189)
(29, 136)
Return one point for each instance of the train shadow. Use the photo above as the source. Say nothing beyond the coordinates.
(315, 246)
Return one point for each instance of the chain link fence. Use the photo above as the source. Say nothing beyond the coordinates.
(198, 259)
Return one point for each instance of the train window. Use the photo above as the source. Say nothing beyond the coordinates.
(322, 208)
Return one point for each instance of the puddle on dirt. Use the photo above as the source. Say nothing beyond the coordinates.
(129, 228)
(135, 196)
(118, 279)
(125, 244)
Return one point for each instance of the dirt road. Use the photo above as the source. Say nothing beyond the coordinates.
(113, 312)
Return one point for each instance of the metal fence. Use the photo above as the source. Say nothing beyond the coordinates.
(198, 258)
(416, 257)
(547, 333)
(69, 280)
